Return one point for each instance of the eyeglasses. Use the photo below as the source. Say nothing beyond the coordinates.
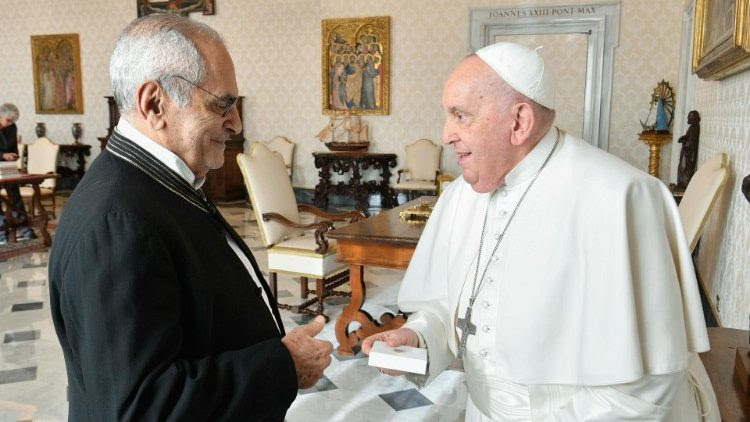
(226, 103)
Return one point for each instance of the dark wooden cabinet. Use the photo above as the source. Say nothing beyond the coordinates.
(224, 184)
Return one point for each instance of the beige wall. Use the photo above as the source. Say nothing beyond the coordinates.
(276, 47)
(725, 247)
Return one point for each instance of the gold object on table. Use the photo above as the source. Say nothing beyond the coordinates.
(417, 214)
(654, 140)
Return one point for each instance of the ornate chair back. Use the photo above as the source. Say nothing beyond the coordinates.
(423, 160)
(701, 195)
(285, 147)
(270, 190)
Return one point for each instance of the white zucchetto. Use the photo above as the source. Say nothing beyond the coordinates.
(522, 69)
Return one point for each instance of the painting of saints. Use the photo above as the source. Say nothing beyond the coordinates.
(57, 71)
(355, 71)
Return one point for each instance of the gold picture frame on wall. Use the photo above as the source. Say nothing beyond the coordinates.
(57, 74)
(721, 38)
(356, 63)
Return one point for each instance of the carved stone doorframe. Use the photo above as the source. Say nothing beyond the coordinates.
(600, 21)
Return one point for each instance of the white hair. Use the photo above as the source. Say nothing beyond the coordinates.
(156, 48)
(9, 110)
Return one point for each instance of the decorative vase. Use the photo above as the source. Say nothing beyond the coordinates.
(41, 130)
(76, 130)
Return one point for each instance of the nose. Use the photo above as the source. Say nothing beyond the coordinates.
(449, 134)
(233, 122)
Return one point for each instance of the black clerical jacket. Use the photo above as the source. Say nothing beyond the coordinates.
(8, 140)
(158, 318)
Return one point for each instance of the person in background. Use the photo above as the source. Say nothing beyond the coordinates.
(9, 152)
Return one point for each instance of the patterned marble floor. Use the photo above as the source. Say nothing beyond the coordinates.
(32, 371)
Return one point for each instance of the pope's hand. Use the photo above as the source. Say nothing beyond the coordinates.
(311, 356)
(393, 338)
(10, 156)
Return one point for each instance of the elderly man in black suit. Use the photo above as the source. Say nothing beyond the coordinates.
(9, 152)
(161, 309)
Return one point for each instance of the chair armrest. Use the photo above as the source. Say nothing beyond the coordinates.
(353, 216)
(399, 174)
(320, 227)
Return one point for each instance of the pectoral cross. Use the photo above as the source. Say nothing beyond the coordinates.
(467, 329)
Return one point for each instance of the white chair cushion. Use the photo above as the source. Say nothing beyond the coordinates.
(297, 256)
(28, 191)
(270, 190)
(701, 195)
(415, 185)
(423, 160)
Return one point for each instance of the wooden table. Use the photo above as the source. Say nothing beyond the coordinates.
(41, 223)
(383, 241)
(734, 404)
(354, 163)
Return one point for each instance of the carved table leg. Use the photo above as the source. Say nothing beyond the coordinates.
(354, 312)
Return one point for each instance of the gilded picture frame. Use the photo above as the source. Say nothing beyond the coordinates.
(355, 65)
(181, 7)
(721, 38)
(57, 74)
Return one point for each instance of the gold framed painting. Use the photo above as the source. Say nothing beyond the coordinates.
(57, 74)
(721, 38)
(356, 63)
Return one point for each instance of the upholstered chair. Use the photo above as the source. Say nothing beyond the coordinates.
(285, 147)
(701, 195)
(21, 162)
(41, 159)
(422, 168)
(294, 248)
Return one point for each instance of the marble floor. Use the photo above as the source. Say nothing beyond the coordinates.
(32, 372)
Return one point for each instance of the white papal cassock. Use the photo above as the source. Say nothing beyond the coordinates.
(590, 308)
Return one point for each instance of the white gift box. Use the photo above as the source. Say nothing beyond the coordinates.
(399, 358)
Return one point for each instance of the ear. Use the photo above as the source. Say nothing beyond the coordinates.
(524, 119)
(151, 104)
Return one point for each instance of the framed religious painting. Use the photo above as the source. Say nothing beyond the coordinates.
(182, 7)
(356, 63)
(721, 38)
(57, 74)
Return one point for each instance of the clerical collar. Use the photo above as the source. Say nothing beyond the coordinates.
(167, 157)
(530, 164)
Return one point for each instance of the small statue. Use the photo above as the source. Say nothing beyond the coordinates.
(689, 152)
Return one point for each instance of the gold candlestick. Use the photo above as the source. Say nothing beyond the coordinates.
(654, 140)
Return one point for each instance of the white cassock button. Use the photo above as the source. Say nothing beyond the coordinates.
(485, 304)
(489, 280)
(497, 236)
(502, 213)
(483, 353)
(494, 258)
(486, 328)
(503, 192)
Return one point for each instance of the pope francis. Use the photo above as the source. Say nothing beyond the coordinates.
(559, 274)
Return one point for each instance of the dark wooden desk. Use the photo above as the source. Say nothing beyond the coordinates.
(734, 404)
(41, 222)
(383, 241)
(69, 178)
(354, 163)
